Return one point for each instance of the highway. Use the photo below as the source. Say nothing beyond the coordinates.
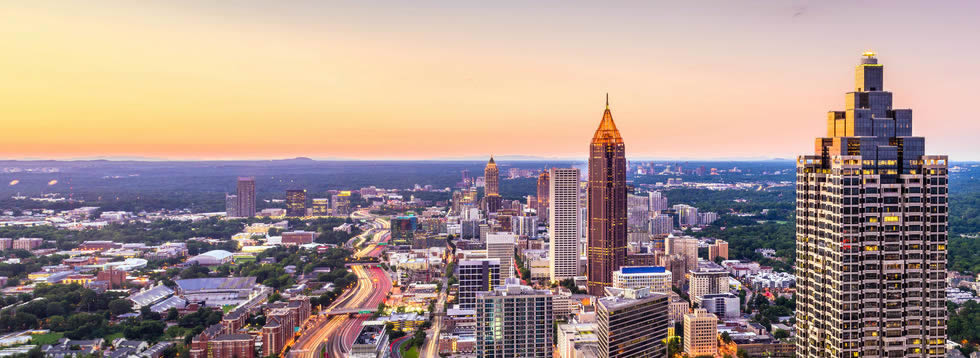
(335, 334)
(396, 346)
(377, 286)
(431, 346)
(380, 227)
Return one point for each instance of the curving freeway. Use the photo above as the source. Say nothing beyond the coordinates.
(334, 334)
(344, 329)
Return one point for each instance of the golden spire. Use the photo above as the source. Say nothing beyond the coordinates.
(607, 132)
(491, 162)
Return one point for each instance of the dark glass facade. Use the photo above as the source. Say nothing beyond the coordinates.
(296, 203)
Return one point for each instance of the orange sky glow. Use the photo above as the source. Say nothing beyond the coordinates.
(255, 79)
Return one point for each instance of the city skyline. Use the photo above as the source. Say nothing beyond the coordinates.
(83, 84)
(316, 178)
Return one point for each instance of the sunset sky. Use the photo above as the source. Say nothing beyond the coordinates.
(451, 79)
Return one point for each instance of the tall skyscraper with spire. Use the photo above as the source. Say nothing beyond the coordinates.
(607, 205)
(491, 176)
(871, 233)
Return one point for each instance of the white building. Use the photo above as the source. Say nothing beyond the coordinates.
(724, 305)
(500, 245)
(656, 278)
(564, 219)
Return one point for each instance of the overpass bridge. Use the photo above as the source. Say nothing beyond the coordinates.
(361, 310)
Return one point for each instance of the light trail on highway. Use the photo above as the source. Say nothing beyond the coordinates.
(335, 334)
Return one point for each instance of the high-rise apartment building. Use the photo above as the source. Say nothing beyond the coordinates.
(246, 197)
(296, 203)
(655, 278)
(543, 194)
(707, 218)
(524, 226)
(632, 323)
(637, 213)
(514, 321)
(476, 275)
(686, 247)
(661, 224)
(491, 196)
(709, 278)
(500, 245)
(700, 333)
(607, 204)
(718, 249)
(686, 215)
(871, 233)
(658, 202)
(563, 223)
(231, 205)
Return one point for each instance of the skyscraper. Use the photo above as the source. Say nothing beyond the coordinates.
(563, 223)
(709, 278)
(607, 204)
(491, 177)
(500, 245)
(658, 202)
(871, 233)
(246, 197)
(638, 213)
(543, 195)
(687, 248)
(231, 205)
(632, 323)
(479, 275)
(514, 321)
(321, 206)
(686, 215)
(296, 203)
(661, 224)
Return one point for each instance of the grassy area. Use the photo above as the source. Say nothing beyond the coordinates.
(47, 338)
(227, 308)
(114, 336)
(411, 353)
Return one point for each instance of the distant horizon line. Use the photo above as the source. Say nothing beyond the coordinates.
(516, 158)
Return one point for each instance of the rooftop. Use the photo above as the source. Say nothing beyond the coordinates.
(216, 283)
(370, 334)
(513, 290)
(607, 133)
(151, 295)
(627, 270)
(619, 298)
